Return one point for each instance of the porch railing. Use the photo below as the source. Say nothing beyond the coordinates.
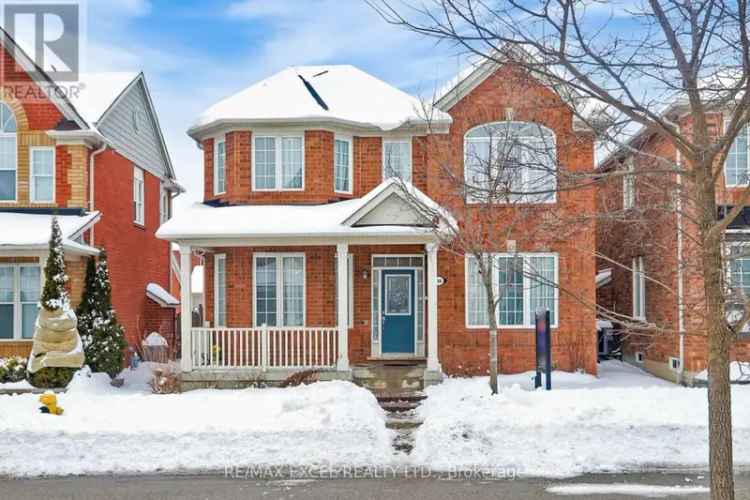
(264, 347)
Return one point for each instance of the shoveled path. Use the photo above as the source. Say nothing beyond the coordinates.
(217, 487)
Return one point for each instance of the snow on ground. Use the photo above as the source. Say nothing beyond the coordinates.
(624, 420)
(631, 489)
(739, 371)
(128, 430)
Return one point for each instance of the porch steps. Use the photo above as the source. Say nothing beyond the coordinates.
(391, 377)
(401, 416)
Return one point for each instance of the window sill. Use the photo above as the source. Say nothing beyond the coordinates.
(285, 190)
(139, 225)
(16, 340)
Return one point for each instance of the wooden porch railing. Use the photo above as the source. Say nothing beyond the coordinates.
(264, 347)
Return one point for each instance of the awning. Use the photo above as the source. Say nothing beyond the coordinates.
(155, 292)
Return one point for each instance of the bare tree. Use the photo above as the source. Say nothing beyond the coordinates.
(682, 77)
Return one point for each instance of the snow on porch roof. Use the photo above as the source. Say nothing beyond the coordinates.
(201, 221)
(158, 294)
(22, 231)
(338, 93)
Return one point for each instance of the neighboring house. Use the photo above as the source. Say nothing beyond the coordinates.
(314, 257)
(651, 272)
(96, 158)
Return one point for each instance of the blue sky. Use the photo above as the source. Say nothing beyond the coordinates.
(195, 53)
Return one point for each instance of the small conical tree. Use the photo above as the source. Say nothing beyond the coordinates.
(83, 312)
(102, 335)
(54, 295)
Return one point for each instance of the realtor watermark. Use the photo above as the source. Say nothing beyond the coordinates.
(48, 43)
(277, 472)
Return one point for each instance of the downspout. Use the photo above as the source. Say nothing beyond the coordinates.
(680, 283)
(91, 184)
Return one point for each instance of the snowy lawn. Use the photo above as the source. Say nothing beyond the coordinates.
(623, 420)
(105, 429)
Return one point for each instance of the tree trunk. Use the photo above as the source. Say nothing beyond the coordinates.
(493, 360)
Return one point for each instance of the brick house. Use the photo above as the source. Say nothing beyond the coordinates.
(315, 258)
(94, 156)
(652, 271)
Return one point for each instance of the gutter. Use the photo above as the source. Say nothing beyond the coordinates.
(101, 149)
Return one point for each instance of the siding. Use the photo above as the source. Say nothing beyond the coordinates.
(143, 146)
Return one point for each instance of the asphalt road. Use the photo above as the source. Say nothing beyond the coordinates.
(194, 487)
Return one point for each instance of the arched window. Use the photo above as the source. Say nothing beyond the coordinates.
(506, 162)
(8, 164)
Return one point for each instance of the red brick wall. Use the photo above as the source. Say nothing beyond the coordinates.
(136, 256)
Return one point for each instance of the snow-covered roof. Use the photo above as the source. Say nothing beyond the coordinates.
(23, 231)
(336, 93)
(603, 277)
(98, 91)
(196, 280)
(333, 220)
(155, 292)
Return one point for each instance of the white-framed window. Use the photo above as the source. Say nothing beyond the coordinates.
(674, 364)
(397, 159)
(165, 208)
(278, 163)
(8, 154)
(510, 162)
(523, 283)
(220, 165)
(628, 185)
(42, 161)
(639, 289)
(279, 289)
(220, 290)
(138, 196)
(350, 286)
(736, 166)
(639, 357)
(342, 165)
(20, 288)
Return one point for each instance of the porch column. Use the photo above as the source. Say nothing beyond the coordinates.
(186, 314)
(433, 363)
(342, 272)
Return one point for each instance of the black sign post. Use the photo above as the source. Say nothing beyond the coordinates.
(543, 349)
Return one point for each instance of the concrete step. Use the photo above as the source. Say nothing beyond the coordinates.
(411, 396)
(399, 406)
(402, 424)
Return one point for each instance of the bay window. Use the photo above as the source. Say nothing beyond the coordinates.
(522, 284)
(736, 168)
(397, 159)
(507, 162)
(278, 163)
(220, 290)
(8, 160)
(20, 286)
(342, 165)
(42, 174)
(220, 166)
(279, 289)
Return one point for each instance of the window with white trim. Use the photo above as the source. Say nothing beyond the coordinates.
(506, 162)
(8, 154)
(279, 289)
(164, 206)
(736, 166)
(220, 166)
(350, 287)
(342, 165)
(397, 159)
(639, 289)
(628, 185)
(42, 161)
(138, 196)
(278, 163)
(20, 287)
(220, 290)
(522, 284)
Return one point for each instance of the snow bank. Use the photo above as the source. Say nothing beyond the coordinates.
(624, 420)
(631, 489)
(129, 430)
(738, 372)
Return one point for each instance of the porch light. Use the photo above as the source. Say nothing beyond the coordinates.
(365, 273)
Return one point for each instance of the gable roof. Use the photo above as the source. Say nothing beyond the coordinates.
(31, 231)
(98, 92)
(331, 220)
(340, 94)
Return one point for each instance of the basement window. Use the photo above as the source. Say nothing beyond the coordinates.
(639, 357)
(674, 364)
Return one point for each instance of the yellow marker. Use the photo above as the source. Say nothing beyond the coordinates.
(49, 400)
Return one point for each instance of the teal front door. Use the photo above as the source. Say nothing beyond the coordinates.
(397, 311)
